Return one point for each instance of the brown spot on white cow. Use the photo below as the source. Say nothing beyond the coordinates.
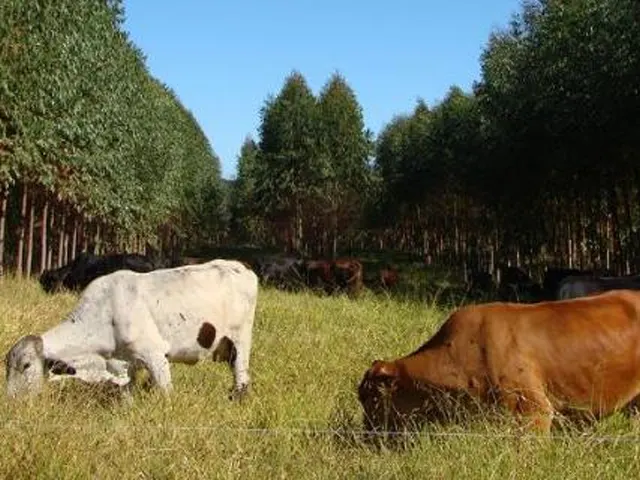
(225, 351)
(206, 335)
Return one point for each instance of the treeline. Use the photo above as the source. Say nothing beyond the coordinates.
(93, 150)
(539, 164)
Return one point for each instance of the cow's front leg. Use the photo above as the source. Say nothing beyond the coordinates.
(158, 367)
(530, 405)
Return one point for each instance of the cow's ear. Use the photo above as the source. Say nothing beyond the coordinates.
(380, 368)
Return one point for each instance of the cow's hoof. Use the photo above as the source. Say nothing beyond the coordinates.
(239, 393)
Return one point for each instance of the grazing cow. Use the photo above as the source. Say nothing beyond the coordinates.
(347, 276)
(283, 273)
(51, 280)
(516, 285)
(579, 286)
(389, 277)
(86, 267)
(580, 355)
(318, 275)
(482, 281)
(181, 314)
(554, 276)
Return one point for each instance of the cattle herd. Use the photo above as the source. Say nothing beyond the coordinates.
(330, 276)
(577, 349)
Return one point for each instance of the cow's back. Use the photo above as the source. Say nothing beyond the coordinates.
(205, 302)
(581, 351)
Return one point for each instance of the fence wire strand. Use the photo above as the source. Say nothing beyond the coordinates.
(316, 431)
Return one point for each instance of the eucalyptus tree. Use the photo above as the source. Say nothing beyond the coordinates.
(247, 224)
(288, 168)
(558, 85)
(345, 147)
(91, 144)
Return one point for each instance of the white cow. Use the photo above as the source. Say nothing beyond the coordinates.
(180, 314)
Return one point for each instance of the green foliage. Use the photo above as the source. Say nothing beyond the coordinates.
(344, 147)
(310, 172)
(246, 222)
(82, 117)
(288, 169)
(542, 152)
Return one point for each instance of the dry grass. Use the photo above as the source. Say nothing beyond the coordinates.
(309, 355)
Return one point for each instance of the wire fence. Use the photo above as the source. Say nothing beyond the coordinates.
(311, 431)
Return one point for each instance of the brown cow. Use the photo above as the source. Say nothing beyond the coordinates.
(389, 277)
(534, 359)
(347, 276)
(318, 275)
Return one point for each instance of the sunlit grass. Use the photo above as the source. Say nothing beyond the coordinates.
(299, 421)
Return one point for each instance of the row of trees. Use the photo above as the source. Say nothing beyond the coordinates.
(539, 164)
(93, 149)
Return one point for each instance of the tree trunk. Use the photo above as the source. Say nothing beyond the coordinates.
(43, 236)
(4, 194)
(86, 228)
(32, 217)
(569, 245)
(97, 240)
(61, 238)
(74, 238)
(52, 224)
(609, 243)
(21, 231)
(334, 234)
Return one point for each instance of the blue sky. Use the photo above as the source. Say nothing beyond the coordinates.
(224, 57)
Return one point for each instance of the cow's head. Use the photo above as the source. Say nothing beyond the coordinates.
(388, 401)
(393, 401)
(51, 280)
(26, 367)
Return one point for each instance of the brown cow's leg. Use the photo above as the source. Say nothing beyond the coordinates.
(530, 405)
(633, 410)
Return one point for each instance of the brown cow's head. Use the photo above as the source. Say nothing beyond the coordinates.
(393, 402)
(390, 403)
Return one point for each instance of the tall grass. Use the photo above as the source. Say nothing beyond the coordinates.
(309, 354)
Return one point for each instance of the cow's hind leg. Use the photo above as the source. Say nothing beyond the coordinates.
(239, 363)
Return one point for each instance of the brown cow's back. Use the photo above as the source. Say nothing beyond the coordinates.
(581, 352)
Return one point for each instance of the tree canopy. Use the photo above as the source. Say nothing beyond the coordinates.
(87, 128)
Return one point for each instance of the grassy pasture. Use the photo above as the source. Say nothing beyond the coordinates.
(300, 420)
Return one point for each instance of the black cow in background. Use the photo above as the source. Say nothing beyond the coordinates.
(86, 267)
(553, 277)
(480, 281)
(517, 286)
(582, 286)
(285, 273)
